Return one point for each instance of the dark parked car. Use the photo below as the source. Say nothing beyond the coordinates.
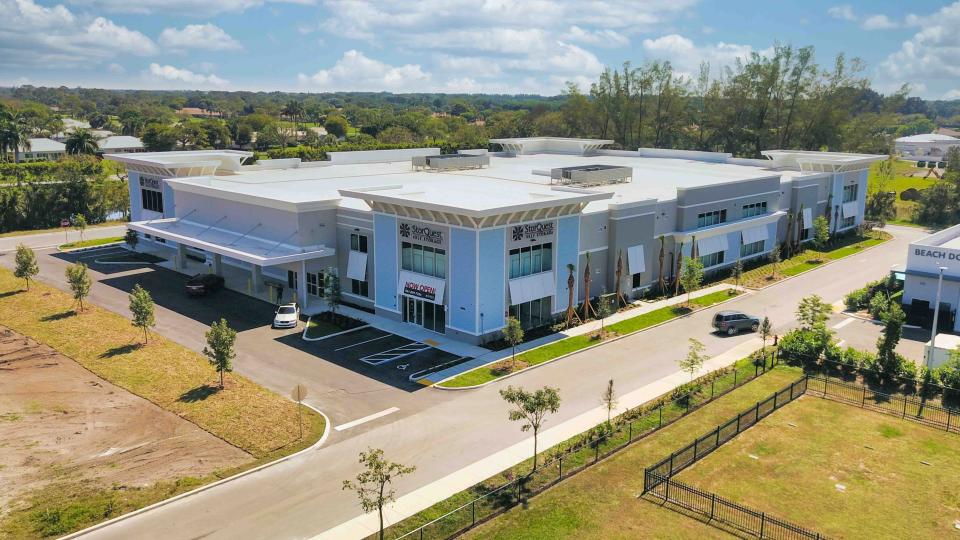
(732, 322)
(203, 284)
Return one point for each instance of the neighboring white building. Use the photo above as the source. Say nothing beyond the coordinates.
(925, 258)
(43, 150)
(120, 144)
(927, 146)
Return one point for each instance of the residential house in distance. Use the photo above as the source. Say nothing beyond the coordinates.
(120, 144)
(926, 146)
(42, 150)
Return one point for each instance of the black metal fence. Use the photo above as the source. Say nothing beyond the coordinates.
(906, 407)
(719, 510)
(579, 454)
(700, 447)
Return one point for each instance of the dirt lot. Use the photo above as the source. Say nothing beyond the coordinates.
(59, 422)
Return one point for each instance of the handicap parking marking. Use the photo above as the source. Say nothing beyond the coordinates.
(362, 342)
(394, 354)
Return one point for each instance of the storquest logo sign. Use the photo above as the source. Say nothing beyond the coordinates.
(532, 230)
(421, 233)
(405, 230)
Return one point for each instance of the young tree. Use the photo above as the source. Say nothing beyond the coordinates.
(821, 235)
(141, 307)
(737, 273)
(131, 238)
(25, 264)
(693, 361)
(765, 330)
(80, 224)
(887, 358)
(372, 484)
(774, 259)
(609, 399)
(219, 350)
(331, 286)
(812, 311)
(79, 281)
(531, 408)
(691, 277)
(604, 310)
(513, 334)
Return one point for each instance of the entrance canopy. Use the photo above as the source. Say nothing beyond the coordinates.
(228, 243)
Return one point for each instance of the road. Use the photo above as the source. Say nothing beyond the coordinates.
(54, 239)
(302, 497)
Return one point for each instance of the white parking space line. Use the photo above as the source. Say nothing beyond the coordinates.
(842, 323)
(366, 419)
(362, 342)
(841, 343)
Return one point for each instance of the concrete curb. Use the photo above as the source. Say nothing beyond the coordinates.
(618, 338)
(827, 263)
(88, 248)
(314, 446)
(321, 338)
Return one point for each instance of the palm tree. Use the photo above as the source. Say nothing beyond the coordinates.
(293, 110)
(81, 141)
(14, 133)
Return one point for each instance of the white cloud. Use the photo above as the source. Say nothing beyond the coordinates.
(931, 54)
(198, 36)
(182, 7)
(606, 37)
(53, 37)
(952, 94)
(686, 56)
(116, 68)
(843, 12)
(174, 77)
(355, 71)
(878, 22)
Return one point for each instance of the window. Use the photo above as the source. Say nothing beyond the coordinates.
(152, 200)
(358, 242)
(315, 284)
(715, 217)
(850, 193)
(530, 260)
(292, 279)
(712, 259)
(805, 234)
(423, 259)
(753, 248)
(848, 222)
(532, 314)
(359, 288)
(637, 280)
(754, 209)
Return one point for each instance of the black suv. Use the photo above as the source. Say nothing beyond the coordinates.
(732, 322)
(203, 284)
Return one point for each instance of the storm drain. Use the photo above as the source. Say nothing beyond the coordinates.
(393, 354)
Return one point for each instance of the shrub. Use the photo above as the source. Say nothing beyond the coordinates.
(910, 194)
(858, 299)
(800, 346)
(878, 306)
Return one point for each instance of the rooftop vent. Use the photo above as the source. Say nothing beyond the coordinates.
(591, 175)
(449, 162)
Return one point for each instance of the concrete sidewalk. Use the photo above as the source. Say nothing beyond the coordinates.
(479, 471)
(590, 327)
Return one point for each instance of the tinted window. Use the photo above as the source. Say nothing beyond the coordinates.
(286, 311)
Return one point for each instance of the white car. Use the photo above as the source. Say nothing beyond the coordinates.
(287, 316)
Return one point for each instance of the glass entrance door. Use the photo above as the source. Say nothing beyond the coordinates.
(426, 314)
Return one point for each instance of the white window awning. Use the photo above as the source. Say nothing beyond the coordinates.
(357, 266)
(711, 245)
(241, 246)
(635, 260)
(850, 209)
(807, 218)
(422, 286)
(532, 287)
(754, 234)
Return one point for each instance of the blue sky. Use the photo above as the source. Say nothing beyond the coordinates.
(531, 46)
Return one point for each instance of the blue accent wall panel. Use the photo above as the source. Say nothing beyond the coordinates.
(136, 204)
(492, 277)
(568, 252)
(462, 282)
(385, 253)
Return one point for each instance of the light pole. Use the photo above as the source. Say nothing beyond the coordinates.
(933, 341)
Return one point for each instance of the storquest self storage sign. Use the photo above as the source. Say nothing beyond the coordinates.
(531, 233)
(422, 234)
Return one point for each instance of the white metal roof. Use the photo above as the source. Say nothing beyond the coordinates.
(45, 145)
(119, 141)
(927, 137)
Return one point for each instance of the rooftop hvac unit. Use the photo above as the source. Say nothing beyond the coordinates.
(446, 162)
(591, 175)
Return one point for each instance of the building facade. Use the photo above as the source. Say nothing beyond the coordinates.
(925, 258)
(458, 243)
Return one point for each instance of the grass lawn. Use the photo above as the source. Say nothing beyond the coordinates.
(808, 260)
(901, 182)
(889, 492)
(60, 229)
(575, 343)
(91, 242)
(317, 328)
(603, 502)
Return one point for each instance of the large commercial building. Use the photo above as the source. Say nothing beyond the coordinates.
(925, 258)
(457, 243)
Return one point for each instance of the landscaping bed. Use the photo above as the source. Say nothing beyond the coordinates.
(327, 323)
(131, 257)
(573, 344)
(91, 243)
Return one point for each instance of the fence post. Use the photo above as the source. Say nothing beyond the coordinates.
(473, 510)
(696, 448)
(661, 417)
(863, 400)
(718, 436)
(756, 370)
(949, 416)
(738, 422)
(905, 408)
(671, 463)
(630, 431)
(711, 388)
(596, 456)
(756, 413)
(763, 522)
(734, 376)
(713, 504)
(519, 488)
(421, 533)
(775, 397)
(561, 468)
